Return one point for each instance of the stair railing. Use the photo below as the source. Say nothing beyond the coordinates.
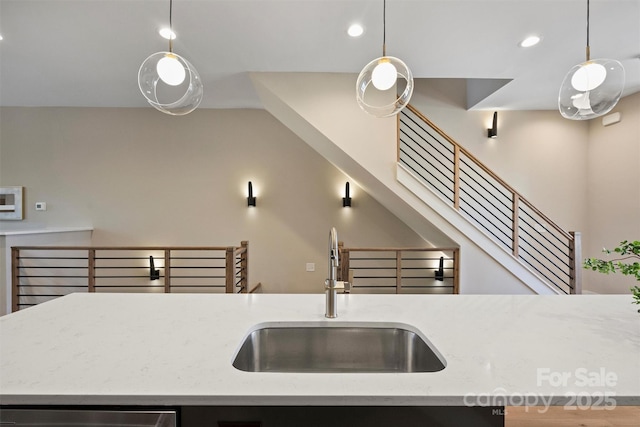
(400, 270)
(487, 201)
(42, 273)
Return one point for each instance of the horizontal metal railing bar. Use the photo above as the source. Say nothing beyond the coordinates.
(53, 286)
(98, 258)
(445, 195)
(463, 200)
(158, 258)
(393, 267)
(196, 277)
(545, 276)
(498, 208)
(428, 276)
(40, 296)
(472, 169)
(528, 230)
(434, 168)
(129, 248)
(417, 123)
(57, 267)
(412, 148)
(375, 286)
(408, 132)
(132, 288)
(186, 267)
(551, 272)
(429, 171)
(50, 257)
(540, 252)
(504, 204)
(427, 286)
(397, 249)
(508, 245)
(125, 277)
(465, 203)
(541, 224)
(434, 171)
(375, 277)
(427, 146)
(22, 276)
(197, 286)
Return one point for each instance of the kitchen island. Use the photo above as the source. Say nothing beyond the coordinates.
(173, 349)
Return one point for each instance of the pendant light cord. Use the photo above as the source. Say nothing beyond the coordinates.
(384, 28)
(588, 48)
(171, 26)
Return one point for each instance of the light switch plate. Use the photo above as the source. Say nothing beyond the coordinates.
(41, 206)
(311, 266)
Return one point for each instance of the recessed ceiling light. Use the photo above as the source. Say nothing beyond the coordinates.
(0, 36)
(355, 30)
(530, 41)
(167, 33)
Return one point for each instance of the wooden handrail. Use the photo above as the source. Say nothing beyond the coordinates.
(132, 248)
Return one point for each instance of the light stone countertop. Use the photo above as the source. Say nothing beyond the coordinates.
(142, 349)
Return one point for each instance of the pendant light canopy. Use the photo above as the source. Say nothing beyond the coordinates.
(169, 82)
(591, 89)
(380, 81)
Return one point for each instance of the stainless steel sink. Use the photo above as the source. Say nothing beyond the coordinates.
(337, 347)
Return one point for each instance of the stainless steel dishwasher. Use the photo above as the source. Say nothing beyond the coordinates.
(86, 418)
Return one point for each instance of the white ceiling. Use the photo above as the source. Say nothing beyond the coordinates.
(87, 52)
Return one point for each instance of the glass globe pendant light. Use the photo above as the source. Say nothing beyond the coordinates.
(169, 82)
(591, 89)
(378, 77)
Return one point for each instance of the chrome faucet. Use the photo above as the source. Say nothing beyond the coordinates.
(332, 285)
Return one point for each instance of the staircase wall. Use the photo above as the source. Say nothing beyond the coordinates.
(321, 110)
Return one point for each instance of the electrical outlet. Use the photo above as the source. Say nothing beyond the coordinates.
(311, 266)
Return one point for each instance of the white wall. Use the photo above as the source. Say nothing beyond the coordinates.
(140, 177)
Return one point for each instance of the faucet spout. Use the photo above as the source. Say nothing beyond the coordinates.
(330, 284)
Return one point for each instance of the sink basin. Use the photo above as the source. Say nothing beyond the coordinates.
(337, 347)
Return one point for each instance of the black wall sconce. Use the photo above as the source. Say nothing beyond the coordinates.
(153, 273)
(251, 201)
(440, 271)
(493, 131)
(346, 200)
